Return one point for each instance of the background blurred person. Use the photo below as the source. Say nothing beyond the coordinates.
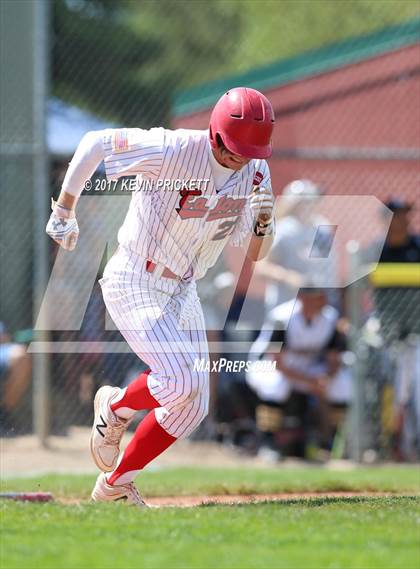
(407, 400)
(310, 385)
(15, 379)
(302, 236)
(402, 245)
(396, 307)
(232, 404)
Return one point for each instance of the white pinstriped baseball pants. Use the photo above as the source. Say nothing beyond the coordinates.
(163, 323)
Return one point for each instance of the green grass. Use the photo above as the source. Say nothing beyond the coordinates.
(196, 481)
(359, 533)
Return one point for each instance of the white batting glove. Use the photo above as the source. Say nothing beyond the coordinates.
(62, 226)
(262, 204)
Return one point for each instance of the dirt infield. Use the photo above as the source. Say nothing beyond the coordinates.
(234, 499)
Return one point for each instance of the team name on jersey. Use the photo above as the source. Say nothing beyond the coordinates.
(193, 205)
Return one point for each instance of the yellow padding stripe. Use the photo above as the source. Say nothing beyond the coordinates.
(396, 274)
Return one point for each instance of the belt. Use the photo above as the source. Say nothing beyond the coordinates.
(152, 267)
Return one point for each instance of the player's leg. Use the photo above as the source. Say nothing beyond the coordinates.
(134, 397)
(114, 409)
(162, 427)
(135, 305)
(104, 492)
(171, 383)
(151, 326)
(155, 335)
(149, 440)
(182, 422)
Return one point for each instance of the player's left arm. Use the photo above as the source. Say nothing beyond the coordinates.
(261, 204)
(254, 231)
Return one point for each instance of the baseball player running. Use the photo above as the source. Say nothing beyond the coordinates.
(168, 240)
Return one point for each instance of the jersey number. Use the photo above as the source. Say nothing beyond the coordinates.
(224, 229)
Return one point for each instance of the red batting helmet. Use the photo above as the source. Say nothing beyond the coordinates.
(244, 120)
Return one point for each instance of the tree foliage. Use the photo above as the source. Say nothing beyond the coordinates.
(276, 29)
(125, 59)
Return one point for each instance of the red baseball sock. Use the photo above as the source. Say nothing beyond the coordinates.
(137, 395)
(148, 442)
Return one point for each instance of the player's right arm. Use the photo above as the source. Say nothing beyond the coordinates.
(126, 152)
(62, 225)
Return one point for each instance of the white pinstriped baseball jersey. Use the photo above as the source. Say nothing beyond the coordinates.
(161, 318)
(184, 229)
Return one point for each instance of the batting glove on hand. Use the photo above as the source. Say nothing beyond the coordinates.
(62, 226)
(262, 204)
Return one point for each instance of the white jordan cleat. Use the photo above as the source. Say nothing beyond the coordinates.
(104, 492)
(107, 430)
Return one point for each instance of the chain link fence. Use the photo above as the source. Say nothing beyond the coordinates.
(385, 315)
(347, 118)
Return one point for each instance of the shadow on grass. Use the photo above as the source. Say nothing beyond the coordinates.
(321, 501)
